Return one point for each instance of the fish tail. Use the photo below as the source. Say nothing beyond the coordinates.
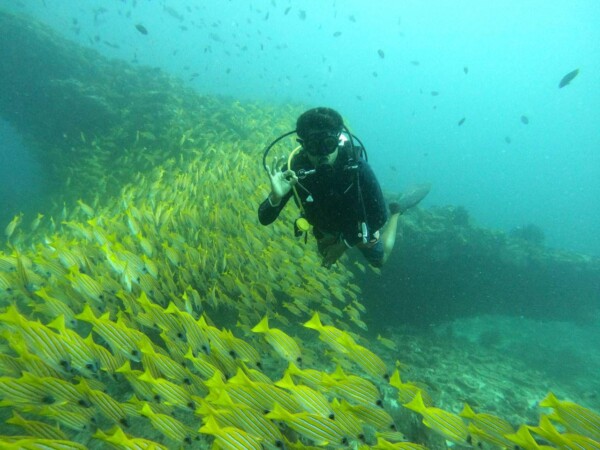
(262, 326)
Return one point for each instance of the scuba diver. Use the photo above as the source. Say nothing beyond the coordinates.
(335, 189)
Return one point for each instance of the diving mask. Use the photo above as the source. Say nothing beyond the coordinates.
(321, 143)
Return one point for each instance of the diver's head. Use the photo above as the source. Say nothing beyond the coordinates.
(319, 131)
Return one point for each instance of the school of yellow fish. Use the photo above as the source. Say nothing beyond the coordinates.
(167, 317)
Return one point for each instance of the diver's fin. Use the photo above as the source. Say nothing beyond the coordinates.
(410, 198)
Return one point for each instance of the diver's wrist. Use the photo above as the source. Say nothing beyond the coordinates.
(274, 200)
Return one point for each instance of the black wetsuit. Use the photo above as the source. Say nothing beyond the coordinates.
(331, 201)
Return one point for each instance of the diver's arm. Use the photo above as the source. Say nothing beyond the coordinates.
(269, 211)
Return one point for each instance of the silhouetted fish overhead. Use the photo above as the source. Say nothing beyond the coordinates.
(141, 28)
(568, 78)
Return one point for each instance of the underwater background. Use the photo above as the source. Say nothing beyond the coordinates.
(130, 148)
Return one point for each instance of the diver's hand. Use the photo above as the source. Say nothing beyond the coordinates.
(281, 181)
(332, 253)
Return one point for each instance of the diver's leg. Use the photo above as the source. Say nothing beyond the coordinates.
(388, 234)
(411, 198)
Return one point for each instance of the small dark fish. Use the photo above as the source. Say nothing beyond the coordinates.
(141, 28)
(381, 54)
(352, 18)
(525, 120)
(507, 140)
(414, 62)
(466, 70)
(173, 13)
(302, 14)
(287, 10)
(461, 121)
(393, 168)
(568, 78)
(375, 74)
(337, 34)
(434, 93)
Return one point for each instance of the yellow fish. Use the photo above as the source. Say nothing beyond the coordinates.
(408, 391)
(332, 336)
(120, 338)
(488, 427)
(35, 443)
(248, 419)
(12, 226)
(563, 440)
(382, 444)
(108, 406)
(284, 345)
(365, 358)
(576, 418)
(41, 430)
(230, 438)
(353, 388)
(443, 422)
(119, 439)
(168, 392)
(525, 440)
(169, 426)
(321, 430)
(39, 339)
(310, 399)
